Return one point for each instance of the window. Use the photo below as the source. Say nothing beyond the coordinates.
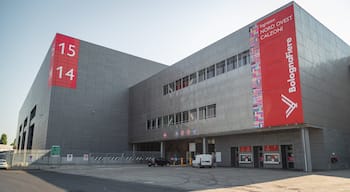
(178, 118)
(201, 75)
(185, 82)
(153, 123)
(211, 72)
(245, 158)
(165, 121)
(240, 63)
(33, 112)
(171, 119)
(185, 116)
(20, 128)
(231, 63)
(25, 122)
(165, 89)
(211, 111)
(220, 68)
(193, 78)
(243, 58)
(193, 114)
(247, 58)
(23, 140)
(30, 137)
(178, 84)
(271, 158)
(148, 124)
(171, 87)
(202, 112)
(159, 122)
(18, 142)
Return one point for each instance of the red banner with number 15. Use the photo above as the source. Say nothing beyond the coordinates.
(64, 62)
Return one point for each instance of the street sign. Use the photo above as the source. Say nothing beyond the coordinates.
(86, 157)
(55, 151)
(69, 157)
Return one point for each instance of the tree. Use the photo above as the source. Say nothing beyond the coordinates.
(3, 139)
(13, 143)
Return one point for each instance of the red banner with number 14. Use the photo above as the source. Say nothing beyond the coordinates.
(64, 62)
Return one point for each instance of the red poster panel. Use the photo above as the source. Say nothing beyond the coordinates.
(280, 69)
(245, 148)
(64, 62)
(271, 148)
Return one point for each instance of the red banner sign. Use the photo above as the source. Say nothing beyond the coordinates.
(64, 62)
(280, 69)
(245, 148)
(271, 148)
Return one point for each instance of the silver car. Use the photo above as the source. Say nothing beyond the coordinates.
(3, 164)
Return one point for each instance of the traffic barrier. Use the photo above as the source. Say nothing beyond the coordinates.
(27, 158)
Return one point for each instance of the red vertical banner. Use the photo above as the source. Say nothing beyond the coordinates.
(281, 91)
(64, 62)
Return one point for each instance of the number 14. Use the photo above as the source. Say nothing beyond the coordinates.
(69, 74)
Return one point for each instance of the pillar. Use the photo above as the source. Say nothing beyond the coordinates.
(134, 148)
(162, 150)
(305, 140)
(205, 145)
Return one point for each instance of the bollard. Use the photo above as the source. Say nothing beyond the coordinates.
(181, 161)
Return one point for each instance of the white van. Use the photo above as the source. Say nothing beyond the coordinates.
(203, 160)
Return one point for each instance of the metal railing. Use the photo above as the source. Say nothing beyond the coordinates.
(43, 157)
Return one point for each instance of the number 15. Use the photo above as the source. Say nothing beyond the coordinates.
(71, 49)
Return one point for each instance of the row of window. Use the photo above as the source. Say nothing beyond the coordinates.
(223, 66)
(23, 136)
(204, 112)
(32, 115)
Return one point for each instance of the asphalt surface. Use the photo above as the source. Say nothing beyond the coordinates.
(142, 178)
(41, 180)
(184, 178)
(220, 179)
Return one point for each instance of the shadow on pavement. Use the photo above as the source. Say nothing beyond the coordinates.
(345, 173)
(79, 183)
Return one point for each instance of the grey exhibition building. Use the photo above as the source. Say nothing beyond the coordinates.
(274, 94)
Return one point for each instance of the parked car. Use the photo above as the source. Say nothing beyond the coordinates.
(158, 162)
(3, 162)
(203, 160)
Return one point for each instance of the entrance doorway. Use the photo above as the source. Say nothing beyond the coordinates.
(234, 157)
(287, 156)
(258, 156)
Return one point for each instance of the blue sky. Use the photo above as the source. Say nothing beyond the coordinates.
(159, 30)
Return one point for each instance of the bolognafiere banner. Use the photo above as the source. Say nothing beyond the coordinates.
(275, 71)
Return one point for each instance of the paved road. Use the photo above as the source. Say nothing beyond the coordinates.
(142, 178)
(41, 180)
(221, 179)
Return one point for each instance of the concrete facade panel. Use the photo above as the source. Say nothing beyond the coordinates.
(324, 66)
(94, 116)
(228, 91)
(39, 96)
